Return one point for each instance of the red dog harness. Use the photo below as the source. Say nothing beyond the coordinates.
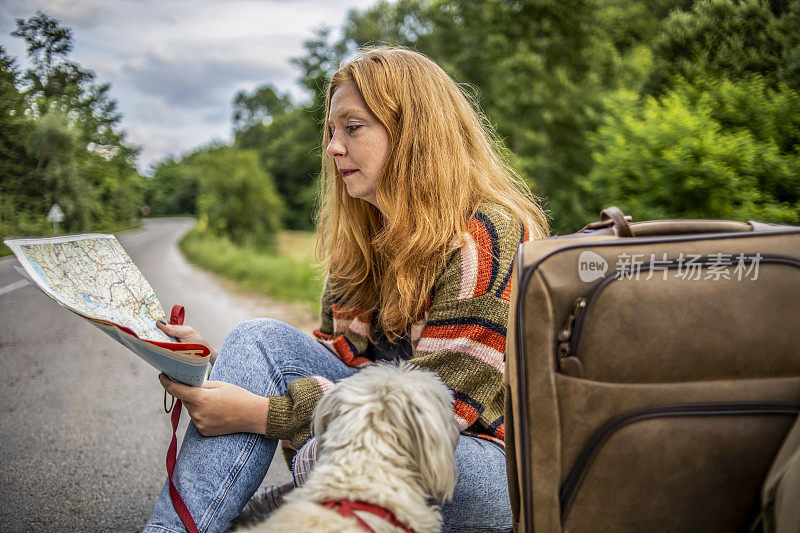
(346, 508)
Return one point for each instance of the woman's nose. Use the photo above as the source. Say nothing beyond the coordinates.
(335, 147)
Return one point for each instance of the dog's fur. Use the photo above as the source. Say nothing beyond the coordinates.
(386, 436)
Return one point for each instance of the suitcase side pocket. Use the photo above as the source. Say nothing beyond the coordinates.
(653, 457)
(703, 328)
(578, 471)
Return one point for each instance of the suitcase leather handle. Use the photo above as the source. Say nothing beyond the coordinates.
(687, 226)
(612, 217)
(618, 220)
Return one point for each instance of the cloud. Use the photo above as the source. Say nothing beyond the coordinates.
(72, 13)
(217, 116)
(154, 111)
(192, 80)
(157, 145)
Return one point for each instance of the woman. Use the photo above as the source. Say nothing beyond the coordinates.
(420, 221)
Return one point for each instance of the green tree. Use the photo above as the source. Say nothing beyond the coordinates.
(14, 126)
(725, 150)
(73, 152)
(53, 81)
(118, 187)
(633, 24)
(790, 55)
(258, 107)
(321, 59)
(55, 145)
(172, 190)
(289, 151)
(403, 23)
(717, 132)
(720, 38)
(237, 199)
(19, 194)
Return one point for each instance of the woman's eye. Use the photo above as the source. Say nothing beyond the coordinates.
(351, 128)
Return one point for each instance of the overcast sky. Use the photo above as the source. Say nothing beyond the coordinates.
(175, 65)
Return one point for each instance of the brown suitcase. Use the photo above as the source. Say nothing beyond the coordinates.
(652, 372)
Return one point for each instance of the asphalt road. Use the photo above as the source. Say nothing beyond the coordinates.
(83, 433)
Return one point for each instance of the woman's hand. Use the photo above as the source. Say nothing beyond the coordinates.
(219, 408)
(187, 334)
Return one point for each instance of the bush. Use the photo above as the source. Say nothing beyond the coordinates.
(237, 198)
(172, 190)
(719, 149)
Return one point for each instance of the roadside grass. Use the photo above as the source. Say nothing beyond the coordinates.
(287, 275)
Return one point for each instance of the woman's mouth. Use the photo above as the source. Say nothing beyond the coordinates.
(346, 171)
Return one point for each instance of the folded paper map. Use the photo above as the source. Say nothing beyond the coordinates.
(92, 276)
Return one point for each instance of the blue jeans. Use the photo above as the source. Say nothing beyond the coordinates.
(216, 476)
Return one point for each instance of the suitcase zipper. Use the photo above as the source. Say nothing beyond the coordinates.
(565, 333)
(578, 471)
(569, 334)
(568, 364)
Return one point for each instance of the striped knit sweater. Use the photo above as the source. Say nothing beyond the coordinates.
(461, 335)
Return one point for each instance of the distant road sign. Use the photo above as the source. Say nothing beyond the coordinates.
(55, 214)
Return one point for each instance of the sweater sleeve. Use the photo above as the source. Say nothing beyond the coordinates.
(289, 416)
(462, 336)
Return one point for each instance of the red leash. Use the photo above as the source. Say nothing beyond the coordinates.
(177, 502)
(346, 508)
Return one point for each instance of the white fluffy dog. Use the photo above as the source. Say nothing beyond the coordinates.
(386, 436)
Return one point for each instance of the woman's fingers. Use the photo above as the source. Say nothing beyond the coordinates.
(182, 392)
(177, 331)
(220, 408)
(189, 335)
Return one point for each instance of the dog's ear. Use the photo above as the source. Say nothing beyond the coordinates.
(432, 438)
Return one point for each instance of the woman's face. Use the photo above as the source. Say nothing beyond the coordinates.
(359, 142)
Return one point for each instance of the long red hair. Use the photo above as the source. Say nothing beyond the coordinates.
(444, 163)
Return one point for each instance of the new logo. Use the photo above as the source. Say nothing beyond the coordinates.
(591, 266)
